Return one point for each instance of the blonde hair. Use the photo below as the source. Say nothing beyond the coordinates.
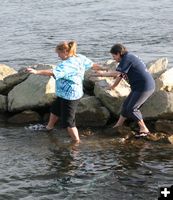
(70, 47)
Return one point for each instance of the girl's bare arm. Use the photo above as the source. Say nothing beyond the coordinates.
(44, 72)
(117, 81)
(107, 74)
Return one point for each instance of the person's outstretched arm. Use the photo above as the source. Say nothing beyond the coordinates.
(44, 72)
(98, 67)
(106, 74)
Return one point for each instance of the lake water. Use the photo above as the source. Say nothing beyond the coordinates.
(40, 166)
(30, 30)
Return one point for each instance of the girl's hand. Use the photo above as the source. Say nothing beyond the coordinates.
(110, 87)
(31, 70)
(98, 74)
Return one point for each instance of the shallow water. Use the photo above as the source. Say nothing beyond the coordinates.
(47, 166)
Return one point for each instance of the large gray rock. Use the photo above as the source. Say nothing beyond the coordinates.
(111, 99)
(159, 105)
(91, 113)
(89, 80)
(157, 67)
(4, 72)
(165, 81)
(14, 79)
(36, 91)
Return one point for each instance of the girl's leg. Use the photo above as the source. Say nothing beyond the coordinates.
(55, 113)
(52, 121)
(68, 118)
(73, 132)
(137, 99)
(123, 115)
(120, 121)
(142, 127)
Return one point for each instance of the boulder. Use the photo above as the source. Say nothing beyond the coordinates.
(165, 81)
(111, 99)
(4, 72)
(89, 80)
(35, 92)
(159, 105)
(14, 79)
(91, 113)
(157, 67)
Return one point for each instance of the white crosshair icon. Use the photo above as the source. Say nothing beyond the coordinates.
(165, 192)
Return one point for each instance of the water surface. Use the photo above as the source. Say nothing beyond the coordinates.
(30, 30)
(45, 166)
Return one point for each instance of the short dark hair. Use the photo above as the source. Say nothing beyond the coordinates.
(118, 48)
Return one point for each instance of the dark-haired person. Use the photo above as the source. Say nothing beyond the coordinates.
(69, 76)
(142, 84)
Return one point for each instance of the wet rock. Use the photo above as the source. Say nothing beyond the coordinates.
(170, 139)
(124, 132)
(165, 126)
(158, 137)
(25, 117)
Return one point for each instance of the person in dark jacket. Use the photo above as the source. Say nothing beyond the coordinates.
(142, 84)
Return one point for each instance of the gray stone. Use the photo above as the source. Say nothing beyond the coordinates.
(35, 92)
(91, 113)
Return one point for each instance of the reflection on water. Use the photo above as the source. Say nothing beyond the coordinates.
(47, 166)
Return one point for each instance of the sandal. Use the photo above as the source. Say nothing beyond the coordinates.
(142, 134)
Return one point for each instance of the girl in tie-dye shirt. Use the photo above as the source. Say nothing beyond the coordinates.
(69, 75)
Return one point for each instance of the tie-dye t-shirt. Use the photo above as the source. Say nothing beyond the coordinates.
(69, 75)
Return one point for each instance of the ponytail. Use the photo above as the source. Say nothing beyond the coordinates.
(70, 47)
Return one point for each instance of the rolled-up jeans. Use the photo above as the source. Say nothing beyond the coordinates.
(132, 104)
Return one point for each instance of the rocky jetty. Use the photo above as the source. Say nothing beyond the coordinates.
(26, 98)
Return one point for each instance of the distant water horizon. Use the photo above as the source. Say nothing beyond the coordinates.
(30, 30)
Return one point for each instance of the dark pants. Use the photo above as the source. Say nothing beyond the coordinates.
(132, 104)
(65, 110)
